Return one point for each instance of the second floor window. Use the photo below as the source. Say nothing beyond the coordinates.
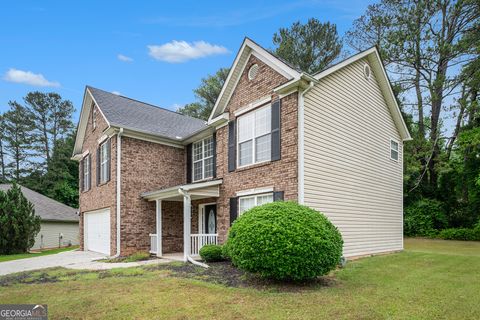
(393, 150)
(104, 162)
(86, 173)
(254, 136)
(203, 159)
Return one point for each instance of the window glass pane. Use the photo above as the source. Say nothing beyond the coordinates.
(197, 151)
(103, 162)
(208, 167)
(245, 153)
(394, 145)
(266, 198)
(263, 148)
(245, 127)
(394, 154)
(246, 203)
(208, 147)
(197, 170)
(263, 121)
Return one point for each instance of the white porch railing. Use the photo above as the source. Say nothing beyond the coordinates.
(197, 241)
(153, 243)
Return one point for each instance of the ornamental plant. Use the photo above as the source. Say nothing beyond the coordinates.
(211, 253)
(284, 241)
(18, 223)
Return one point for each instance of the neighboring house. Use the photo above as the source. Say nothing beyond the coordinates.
(58, 224)
(154, 180)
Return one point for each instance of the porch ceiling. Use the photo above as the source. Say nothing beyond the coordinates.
(197, 191)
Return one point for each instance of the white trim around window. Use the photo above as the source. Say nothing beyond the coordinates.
(87, 175)
(254, 137)
(394, 150)
(104, 160)
(202, 159)
(247, 202)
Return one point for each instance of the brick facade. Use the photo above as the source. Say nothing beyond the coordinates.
(147, 166)
(103, 196)
(282, 174)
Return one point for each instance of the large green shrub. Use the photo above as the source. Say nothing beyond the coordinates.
(18, 223)
(284, 240)
(460, 234)
(424, 218)
(211, 253)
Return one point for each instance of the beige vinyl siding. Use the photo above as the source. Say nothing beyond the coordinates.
(348, 174)
(51, 231)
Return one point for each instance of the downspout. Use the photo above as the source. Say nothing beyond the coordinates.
(301, 143)
(119, 184)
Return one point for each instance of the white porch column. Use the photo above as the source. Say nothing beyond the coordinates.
(187, 213)
(159, 228)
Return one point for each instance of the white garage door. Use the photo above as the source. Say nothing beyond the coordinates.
(97, 231)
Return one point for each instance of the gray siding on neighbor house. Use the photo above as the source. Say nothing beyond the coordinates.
(51, 231)
(349, 175)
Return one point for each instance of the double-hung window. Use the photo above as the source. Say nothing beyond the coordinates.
(393, 150)
(104, 162)
(248, 202)
(86, 173)
(254, 136)
(203, 159)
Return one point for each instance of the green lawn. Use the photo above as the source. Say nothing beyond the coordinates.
(431, 279)
(34, 254)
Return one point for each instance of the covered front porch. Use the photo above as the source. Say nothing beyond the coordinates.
(186, 219)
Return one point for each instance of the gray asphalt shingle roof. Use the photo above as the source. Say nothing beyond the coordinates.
(131, 114)
(45, 207)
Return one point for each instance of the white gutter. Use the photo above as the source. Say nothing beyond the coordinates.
(301, 143)
(119, 184)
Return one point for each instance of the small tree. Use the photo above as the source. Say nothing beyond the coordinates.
(18, 223)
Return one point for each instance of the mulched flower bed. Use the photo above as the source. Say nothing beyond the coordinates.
(226, 274)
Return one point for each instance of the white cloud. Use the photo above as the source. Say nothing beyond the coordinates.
(123, 58)
(181, 51)
(28, 77)
(117, 93)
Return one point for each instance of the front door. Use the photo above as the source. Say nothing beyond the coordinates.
(210, 213)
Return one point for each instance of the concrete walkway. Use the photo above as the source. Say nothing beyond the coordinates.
(69, 259)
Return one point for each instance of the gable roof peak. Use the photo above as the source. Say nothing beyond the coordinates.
(248, 48)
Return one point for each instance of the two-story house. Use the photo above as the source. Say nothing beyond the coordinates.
(155, 180)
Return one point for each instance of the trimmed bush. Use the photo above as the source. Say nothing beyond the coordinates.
(460, 234)
(211, 253)
(284, 241)
(424, 218)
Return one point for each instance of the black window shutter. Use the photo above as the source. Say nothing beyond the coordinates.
(189, 163)
(98, 166)
(80, 172)
(214, 137)
(233, 209)
(232, 158)
(89, 171)
(278, 196)
(276, 147)
(109, 155)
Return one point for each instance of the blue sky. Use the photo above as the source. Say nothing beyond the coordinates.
(154, 51)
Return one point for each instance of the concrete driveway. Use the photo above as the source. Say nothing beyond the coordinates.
(66, 259)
